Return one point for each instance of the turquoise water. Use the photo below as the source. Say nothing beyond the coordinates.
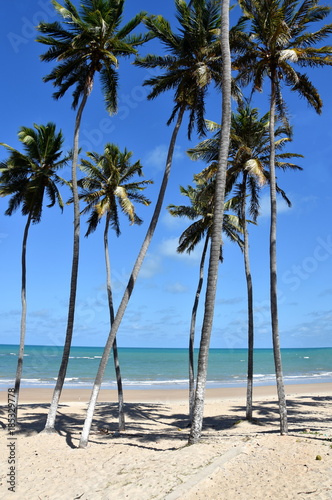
(162, 368)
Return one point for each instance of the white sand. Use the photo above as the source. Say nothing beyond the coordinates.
(150, 460)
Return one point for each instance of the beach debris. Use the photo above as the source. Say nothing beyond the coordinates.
(318, 457)
(103, 430)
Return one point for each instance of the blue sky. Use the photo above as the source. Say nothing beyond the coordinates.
(160, 308)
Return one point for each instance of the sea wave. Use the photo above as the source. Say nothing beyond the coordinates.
(85, 357)
(232, 381)
(81, 357)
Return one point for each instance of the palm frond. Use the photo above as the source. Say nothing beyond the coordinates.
(105, 186)
(88, 40)
(27, 176)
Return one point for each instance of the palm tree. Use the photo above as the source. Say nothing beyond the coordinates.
(27, 177)
(218, 212)
(248, 158)
(87, 42)
(107, 185)
(188, 69)
(279, 39)
(200, 211)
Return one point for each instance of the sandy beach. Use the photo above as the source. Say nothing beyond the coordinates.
(150, 460)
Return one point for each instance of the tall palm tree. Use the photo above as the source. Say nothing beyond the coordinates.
(279, 39)
(108, 184)
(249, 153)
(27, 177)
(87, 42)
(200, 211)
(188, 68)
(249, 156)
(218, 213)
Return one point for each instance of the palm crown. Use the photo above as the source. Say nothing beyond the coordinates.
(193, 58)
(248, 155)
(92, 43)
(279, 38)
(26, 176)
(200, 211)
(108, 183)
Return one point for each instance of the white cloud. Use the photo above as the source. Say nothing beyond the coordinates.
(168, 248)
(310, 199)
(176, 288)
(151, 266)
(231, 301)
(41, 313)
(156, 158)
(172, 222)
(265, 211)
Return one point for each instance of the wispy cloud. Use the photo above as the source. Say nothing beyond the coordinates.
(156, 158)
(151, 266)
(265, 210)
(176, 288)
(231, 301)
(317, 329)
(41, 313)
(168, 248)
(172, 222)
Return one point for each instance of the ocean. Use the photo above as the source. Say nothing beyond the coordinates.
(157, 368)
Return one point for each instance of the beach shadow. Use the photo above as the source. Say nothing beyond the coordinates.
(69, 440)
(300, 413)
(3, 417)
(31, 418)
(146, 424)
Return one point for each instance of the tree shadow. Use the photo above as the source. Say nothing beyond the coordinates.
(3, 417)
(149, 423)
(300, 412)
(145, 423)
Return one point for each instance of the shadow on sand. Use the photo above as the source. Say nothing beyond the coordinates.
(147, 423)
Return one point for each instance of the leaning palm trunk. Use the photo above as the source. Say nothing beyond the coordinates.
(130, 287)
(49, 426)
(197, 422)
(23, 319)
(273, 268)
(192, 332)
(250, 371)
(122, 424)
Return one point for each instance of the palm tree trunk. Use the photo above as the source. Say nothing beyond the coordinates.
(273, 268)
(197, 422)
(49, 426)
(122, 424)
(19, 368)
(130, 286)
(250, 371)
(192, 332)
